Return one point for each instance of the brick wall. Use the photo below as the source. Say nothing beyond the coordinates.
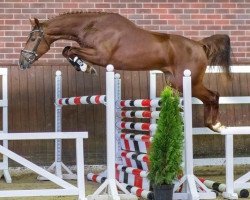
(191, 18)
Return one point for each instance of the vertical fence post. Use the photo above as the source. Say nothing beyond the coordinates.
(152, 91)
(117, 135)
(58, 124)
(230, 163)
(229, 150)
(188, 128)
(190, 185)
(111, 185)
(80, 168)
(5, 122)
(110, 119)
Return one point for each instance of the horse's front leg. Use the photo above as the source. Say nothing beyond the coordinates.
(76, 60)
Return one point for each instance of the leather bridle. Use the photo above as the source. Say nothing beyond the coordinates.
(31, 55)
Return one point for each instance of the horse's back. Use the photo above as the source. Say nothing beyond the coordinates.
(159, 50)
(115, 21)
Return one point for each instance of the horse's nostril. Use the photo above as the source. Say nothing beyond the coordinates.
(23, 65)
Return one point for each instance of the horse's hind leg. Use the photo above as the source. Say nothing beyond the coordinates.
(210, 100)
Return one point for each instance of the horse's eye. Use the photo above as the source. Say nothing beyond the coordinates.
(32, 39)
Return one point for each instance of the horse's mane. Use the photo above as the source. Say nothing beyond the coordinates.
(77, 13)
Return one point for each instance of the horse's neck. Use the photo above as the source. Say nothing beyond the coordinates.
(66, 27)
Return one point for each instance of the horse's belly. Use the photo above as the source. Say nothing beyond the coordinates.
(138, 61)
(135, 65)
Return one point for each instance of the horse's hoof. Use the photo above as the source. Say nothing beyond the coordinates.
(218, 127)
(221, 128)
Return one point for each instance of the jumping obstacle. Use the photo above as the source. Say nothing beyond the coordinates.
(191, 183)
(109, 101)
(128, 140)
(243, 181)
(4, 165)
(67, 188)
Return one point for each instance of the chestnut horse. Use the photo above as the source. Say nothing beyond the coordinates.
(109, 38)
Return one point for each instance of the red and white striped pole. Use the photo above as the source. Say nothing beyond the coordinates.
(140, 103)
(137, 126)
(95, 99)
(138, 114)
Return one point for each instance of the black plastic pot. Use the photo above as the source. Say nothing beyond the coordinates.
(163, 192)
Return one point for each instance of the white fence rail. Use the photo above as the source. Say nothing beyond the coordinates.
(237, 100)
(67, 188)
(4, 165)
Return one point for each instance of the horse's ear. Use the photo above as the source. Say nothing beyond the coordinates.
(34, 22)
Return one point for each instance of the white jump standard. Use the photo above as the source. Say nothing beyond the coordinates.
(191, 183)
(244, 181)
(58, 167)
(111, 184)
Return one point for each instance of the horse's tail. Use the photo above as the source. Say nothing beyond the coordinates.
(218, 50)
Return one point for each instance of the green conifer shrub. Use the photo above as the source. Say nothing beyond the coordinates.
(167, 146)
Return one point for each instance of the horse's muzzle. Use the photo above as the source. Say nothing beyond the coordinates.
(26, 59)
(24, 65)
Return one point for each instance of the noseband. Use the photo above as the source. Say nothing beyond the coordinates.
(33, 54)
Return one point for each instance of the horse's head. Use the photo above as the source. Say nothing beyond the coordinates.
(35, 47)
